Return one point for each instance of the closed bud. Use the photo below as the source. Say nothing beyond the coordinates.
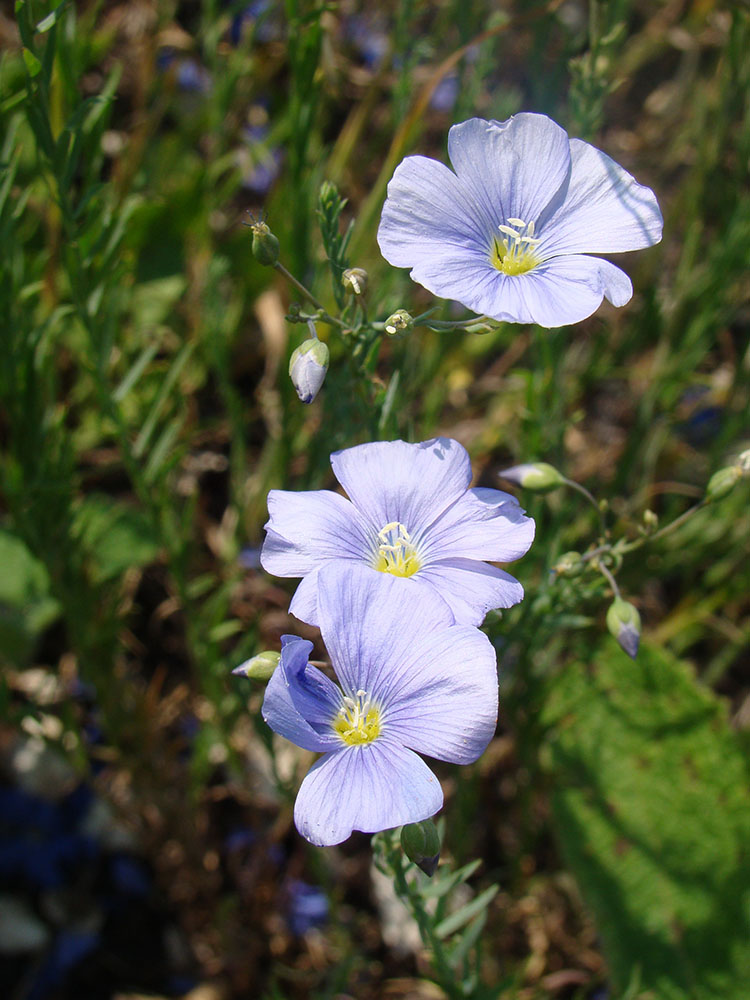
(624, 622)
(398, 322)
(354, 280)
(259, 667)
(536, 476)
(265, 246)
(421, 844)
(307, 368)
(723, 482)
(569, 564)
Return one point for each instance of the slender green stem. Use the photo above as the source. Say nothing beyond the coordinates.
(592, 500)
(325, 317)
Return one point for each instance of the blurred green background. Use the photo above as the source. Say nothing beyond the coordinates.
(146, 836)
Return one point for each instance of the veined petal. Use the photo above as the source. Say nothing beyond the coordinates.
(562, 290)
(304, 604)
(445, 704)
(390, 481)
(428, 208)
(371, 623)
(372, 787)
(305, 529)
(513, 169)
(482, 524)
(472, 588)
(279, 708)
(604, 210)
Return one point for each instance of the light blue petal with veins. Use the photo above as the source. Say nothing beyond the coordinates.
(604, 209)
(372, 621)
(482, 524)
(445, 704)
(413, 484)
(371, 787)
(512, 168)
(306, 528)
(284, 703)
(472, 588)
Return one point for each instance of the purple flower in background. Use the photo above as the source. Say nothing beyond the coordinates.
(509, 234)
(410, 515)
(308, 907)
(411, 680)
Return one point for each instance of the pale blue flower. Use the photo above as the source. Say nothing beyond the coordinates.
(412, 682)
(510, 232)
(410, 515)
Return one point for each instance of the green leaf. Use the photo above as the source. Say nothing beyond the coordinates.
(652, 808)
(33, 65)
(26, 607)
(47, 22)
(116, 535)
(477, 905)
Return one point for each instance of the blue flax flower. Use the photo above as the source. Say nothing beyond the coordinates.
(411, 680)
(410, 515)
(510, 232)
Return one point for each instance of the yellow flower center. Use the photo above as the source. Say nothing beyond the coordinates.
(516, 254)
(357, 721)
(396, 553)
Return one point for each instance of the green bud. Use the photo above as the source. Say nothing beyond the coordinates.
(354, 280)
(421, 844)
(569, 564)
(307, 368)
(624, 622)
(265, 246)
(259, 667)
(536, 476)
(398, 322)
(723, 482)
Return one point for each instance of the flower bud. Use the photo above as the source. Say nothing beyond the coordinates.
(307, 368)
(259, 667)
(723, 482)
(398, 322)
(624, 622)
(536, 476)
(569, 564)
(265, 246)
(354, 280)
(421, 844)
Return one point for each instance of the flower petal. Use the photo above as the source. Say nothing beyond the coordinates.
(472, 588)
(279, 708)
(428, 208)
(372, 787)
(445, 704)
(561, 290)
(304, 604)
(482, 524)
(411, 483)
(372, 621)
(604, 210)
(305, 529)
(514, 168)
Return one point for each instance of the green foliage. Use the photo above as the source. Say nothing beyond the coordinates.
(651, 803)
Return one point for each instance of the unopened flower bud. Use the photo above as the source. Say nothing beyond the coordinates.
(354, 280)
(536, 476)
(398, 322)
(650, 520)
(265, 246)
(259, 667)
(307, 368)
(624, 622)
(569, 564)
(723, 482)
(421, 844)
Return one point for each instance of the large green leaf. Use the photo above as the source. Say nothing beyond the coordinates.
(117, 535)
(651, 803)
(26, 607)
